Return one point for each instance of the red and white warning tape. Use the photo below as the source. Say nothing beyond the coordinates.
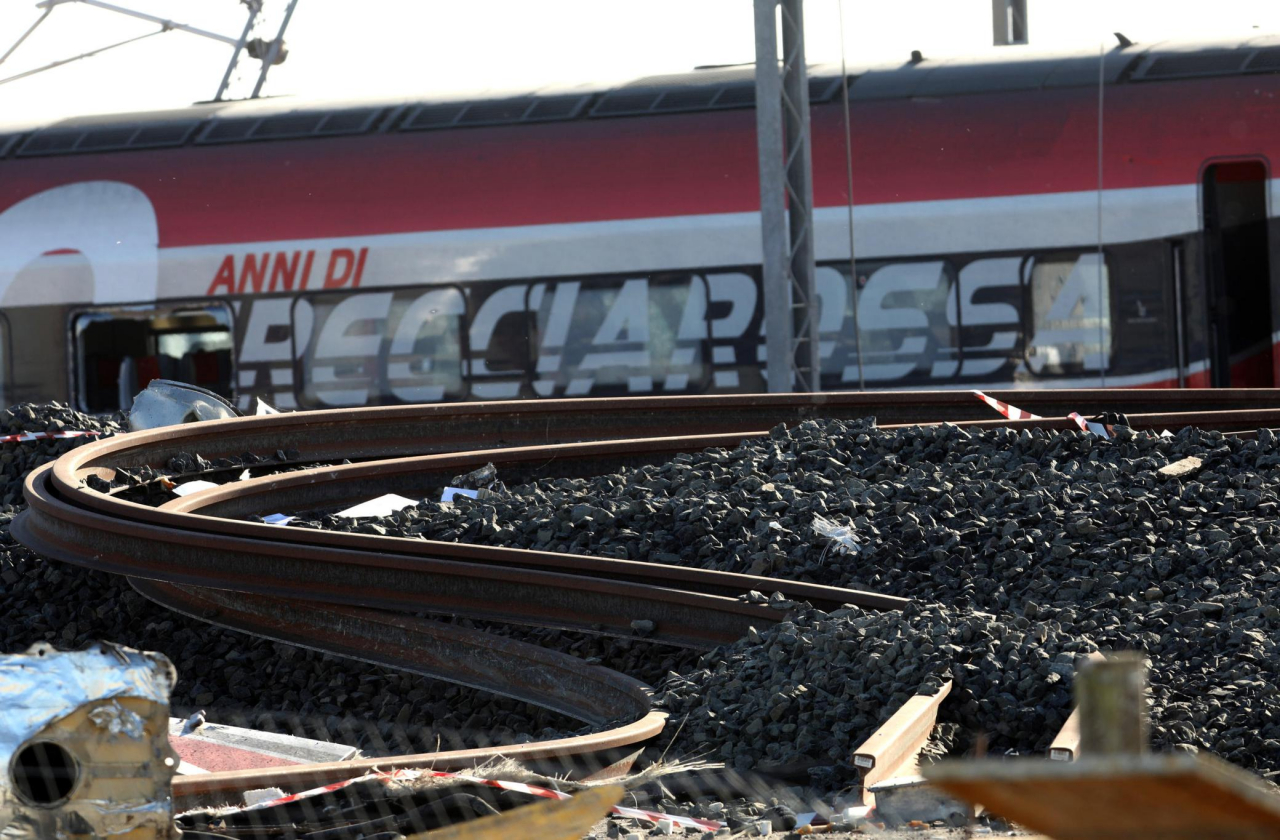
(533, 790)
(1015, 413)
(29, 436)
(1010, 411)
(306, 794)
(1088, 425)
(517, 787)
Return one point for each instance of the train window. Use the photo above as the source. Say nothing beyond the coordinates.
(370, 348)
(622, 336)
(424, 356)
(119, 351)
(1070, 307)
(902, 312)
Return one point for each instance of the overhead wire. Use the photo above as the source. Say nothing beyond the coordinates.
(848, 159)
(32, 28)
(89, 54)
(1103, 306)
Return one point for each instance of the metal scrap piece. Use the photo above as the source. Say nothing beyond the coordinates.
(168, 403)
(84, 738)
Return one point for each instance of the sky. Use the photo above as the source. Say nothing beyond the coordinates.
(345, 50)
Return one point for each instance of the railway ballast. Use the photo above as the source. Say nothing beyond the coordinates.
(993, 555)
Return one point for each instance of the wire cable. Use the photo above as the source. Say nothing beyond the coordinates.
(848, 159)
(89, 54)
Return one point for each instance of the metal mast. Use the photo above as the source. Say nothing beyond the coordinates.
(786, 184)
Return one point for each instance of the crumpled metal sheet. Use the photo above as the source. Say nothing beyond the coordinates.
(43, 686)
(168, 403)
(107, 819)
(117, 720)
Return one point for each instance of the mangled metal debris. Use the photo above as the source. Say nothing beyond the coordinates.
(84, 736)
(168, 403)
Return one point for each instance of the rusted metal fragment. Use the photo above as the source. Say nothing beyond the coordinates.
(906, 799)
(215, 747)
(84, 743)
(1185, 468)
(892, 749)
(1171, 796)
(1066, 744)
(168, 403)
(501, 665)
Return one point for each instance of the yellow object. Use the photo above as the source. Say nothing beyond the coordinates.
(555, 819)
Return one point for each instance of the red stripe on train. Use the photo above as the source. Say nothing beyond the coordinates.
(982, 145)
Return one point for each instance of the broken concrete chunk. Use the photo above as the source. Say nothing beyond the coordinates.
(1188, 466)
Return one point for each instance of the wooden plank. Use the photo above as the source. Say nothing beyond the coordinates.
(892, 749)
(1170, 796)
(554, 819)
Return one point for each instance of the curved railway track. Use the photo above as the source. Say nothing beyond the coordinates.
(350, 594)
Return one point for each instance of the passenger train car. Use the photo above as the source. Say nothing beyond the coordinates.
(607, 242)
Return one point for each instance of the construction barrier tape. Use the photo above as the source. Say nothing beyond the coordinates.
(1015, 413)
(306, 794)
(30, 436)
(1012, 412)
(516, 787)
(636, 813)
(1089, 426)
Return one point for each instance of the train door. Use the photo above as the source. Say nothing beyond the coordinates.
(1237, 274)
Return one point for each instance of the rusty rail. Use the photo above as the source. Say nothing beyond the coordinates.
(502, 666)
(892, 750)
(359, 433)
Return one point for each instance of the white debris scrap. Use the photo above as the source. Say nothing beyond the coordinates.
(843, 539)
(381, 506)
(193, 487)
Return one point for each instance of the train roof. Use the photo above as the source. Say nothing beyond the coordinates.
(704, 89)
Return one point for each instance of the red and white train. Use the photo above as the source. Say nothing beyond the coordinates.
(606, 242)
